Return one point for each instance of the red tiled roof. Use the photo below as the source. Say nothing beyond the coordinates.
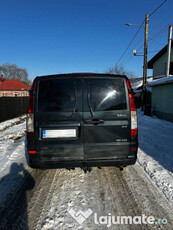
(7, 84)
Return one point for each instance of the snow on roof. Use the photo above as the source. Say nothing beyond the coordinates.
(139, 83)
(6, 84)
(162, 81)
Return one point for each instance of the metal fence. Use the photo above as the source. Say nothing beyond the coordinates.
(11, 107)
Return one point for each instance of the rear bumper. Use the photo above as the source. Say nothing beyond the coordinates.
(75, 164)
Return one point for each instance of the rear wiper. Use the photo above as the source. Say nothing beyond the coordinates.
(89, 103)
(75, 105)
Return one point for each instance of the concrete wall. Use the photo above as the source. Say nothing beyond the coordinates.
(159, 66)
(162, 101)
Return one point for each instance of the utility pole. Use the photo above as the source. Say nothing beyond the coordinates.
(145, 61)
(169, 50)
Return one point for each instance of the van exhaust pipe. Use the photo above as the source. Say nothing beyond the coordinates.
(121, 168)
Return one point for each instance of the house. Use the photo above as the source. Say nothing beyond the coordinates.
(162, 85)
(159, 62)
(13, 88)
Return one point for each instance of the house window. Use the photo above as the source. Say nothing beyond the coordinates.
(16, 94)
(23, 94)
(4, 94)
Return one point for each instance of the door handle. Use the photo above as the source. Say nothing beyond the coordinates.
(94, 122)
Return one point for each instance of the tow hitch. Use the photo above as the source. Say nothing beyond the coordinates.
(86, 169)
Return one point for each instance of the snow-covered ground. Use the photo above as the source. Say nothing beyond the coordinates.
(155, 161)
(12, 156)
(11, 146)
(6, 124)
(155, 154)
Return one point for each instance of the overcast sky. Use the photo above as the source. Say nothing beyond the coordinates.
(62, 36)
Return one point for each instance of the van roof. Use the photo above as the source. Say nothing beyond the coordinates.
(82, 74)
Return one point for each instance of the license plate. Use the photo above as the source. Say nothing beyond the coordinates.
(59, 133)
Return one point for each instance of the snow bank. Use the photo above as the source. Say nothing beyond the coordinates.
(155, 154)
(6, 124)
(12, 157)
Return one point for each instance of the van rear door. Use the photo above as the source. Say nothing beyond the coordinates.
(106, 118)
(58, 119)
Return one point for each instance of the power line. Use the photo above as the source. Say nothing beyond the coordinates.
(154, 51)
(151, 40)
(159, 33)
(157, 8)
(161, 44)
(156, 35)
(139, 30)
(128, 61)
(130, 43)
(161, 21)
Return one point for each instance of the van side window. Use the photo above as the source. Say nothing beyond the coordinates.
(56, 96)
(107, 95)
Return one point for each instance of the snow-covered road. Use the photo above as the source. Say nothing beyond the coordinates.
(44, 199)
(12, 136)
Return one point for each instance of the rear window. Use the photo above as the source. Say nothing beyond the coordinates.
(62, 95)
(107, 94)
(57, 95)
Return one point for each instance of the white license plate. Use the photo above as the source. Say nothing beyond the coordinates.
(59, 133)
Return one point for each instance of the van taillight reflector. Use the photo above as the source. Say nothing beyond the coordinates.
(32, 151)
(30, 115)
(133, 148)
(31, 98)
(134, 123)
(131, 98)
(128, 84)
(31, 104)
(134, 132)
(132, 103)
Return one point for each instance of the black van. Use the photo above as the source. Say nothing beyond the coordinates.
(81, 120)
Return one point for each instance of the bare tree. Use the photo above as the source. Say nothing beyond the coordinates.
(14, 72)
(120, 70)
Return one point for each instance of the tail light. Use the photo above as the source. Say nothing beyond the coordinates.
(30, 123)
(134, 123)
(32, 151)
(30, 115)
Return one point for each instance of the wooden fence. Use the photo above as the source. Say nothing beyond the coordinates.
(11, 107)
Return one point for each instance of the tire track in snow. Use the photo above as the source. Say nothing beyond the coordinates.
(104, 191)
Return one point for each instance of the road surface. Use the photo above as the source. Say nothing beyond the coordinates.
(47, 195)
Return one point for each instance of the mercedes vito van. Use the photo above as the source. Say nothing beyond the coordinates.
(81, 120)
